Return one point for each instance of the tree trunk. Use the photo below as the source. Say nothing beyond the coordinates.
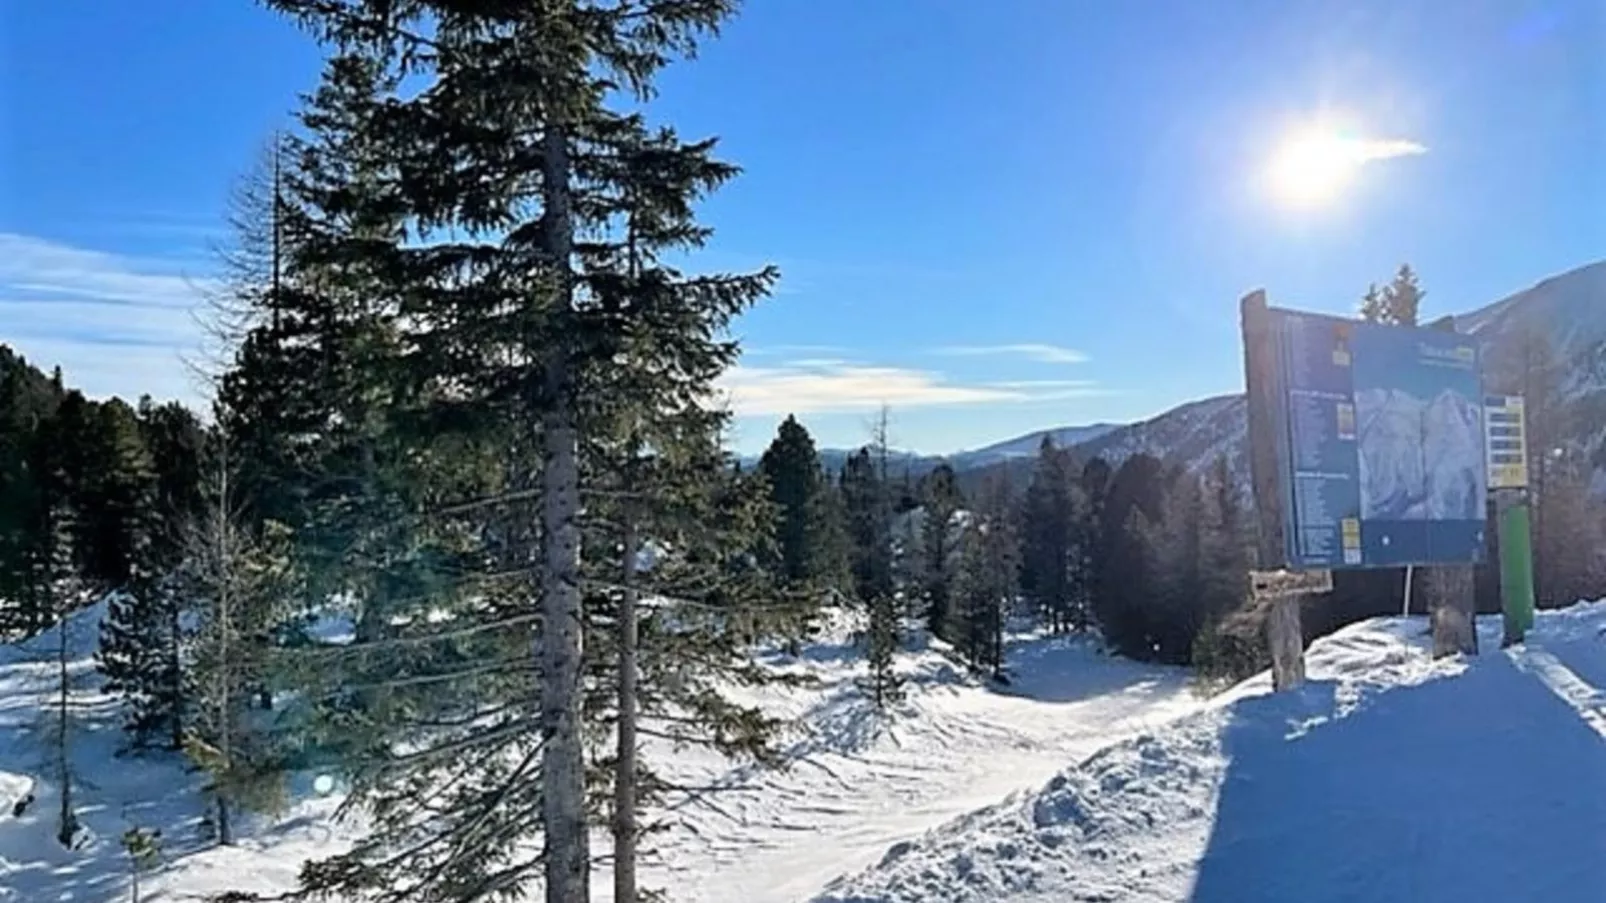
(624, 824)
(224, 626)
(67, 826)
(225, 832)
(176, 666)
(563, 801)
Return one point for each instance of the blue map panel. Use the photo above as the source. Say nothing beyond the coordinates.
(1381, 444)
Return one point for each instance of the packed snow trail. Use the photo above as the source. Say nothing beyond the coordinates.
(1388, 777)
(861, 781)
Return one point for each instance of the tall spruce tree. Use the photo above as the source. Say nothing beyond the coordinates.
(796, 482)
(524, 330)
(941, 502)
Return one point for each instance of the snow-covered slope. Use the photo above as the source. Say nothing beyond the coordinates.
(1388, 777)
(858, 781)
(112, 792)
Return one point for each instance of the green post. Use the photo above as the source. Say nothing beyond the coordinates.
(1516, 570)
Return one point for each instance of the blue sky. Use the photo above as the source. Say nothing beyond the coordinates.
(995, 216)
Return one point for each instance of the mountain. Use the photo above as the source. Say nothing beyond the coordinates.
(1026, 446)
(1568, 310)
(1020, 447)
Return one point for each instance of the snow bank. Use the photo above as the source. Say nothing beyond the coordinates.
(1388, 777)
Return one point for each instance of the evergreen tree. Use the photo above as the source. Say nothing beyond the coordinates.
(142, 636)
(143, 846)
(529, 313)
(941, 502)
(1051, 521)
(884, 638)
(988, 579)
(1374, 309)
(792, 467)
(1402, 297)
(1131, 508)
(868, 534)
(1396, 304)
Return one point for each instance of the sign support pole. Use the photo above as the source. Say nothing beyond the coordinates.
(1284, 633)
(1515, 541)
(1506, 421)
(1410, 573)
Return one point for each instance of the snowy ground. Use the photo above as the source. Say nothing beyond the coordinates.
(1388, 777)
(858, 782)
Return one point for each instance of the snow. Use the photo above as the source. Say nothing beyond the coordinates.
(1389, 776)
(858, 781)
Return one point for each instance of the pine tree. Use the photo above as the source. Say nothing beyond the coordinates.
(1132, 507)
(870, 558)
(792, 467)
(142, 636)
(1402, 297)
(1398, 303)
(989, 579)
(143, 846)
(882, 642)
(1374, 308)
(521, 331)
(1050, 513)
(940, 536)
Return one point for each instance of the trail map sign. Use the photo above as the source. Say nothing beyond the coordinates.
(1380, 443)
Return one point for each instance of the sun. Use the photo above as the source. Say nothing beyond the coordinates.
(1314, 166)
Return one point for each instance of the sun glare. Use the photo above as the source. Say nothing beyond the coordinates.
(1314, 166)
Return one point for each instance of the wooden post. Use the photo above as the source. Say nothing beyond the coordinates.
(1284, 633)
(1453, 609)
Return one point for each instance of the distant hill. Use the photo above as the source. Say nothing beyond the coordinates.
(1569, 310)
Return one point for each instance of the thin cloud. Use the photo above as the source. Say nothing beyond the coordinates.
(1365, 150)
(115, 325)
(853, 388)
(1046, 354)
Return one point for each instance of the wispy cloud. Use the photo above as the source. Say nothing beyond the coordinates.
(837, 387)
(1365, 150)
(1046, 354)
(115, 325)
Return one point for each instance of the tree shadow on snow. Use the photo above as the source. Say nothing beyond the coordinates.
(1421, 796)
